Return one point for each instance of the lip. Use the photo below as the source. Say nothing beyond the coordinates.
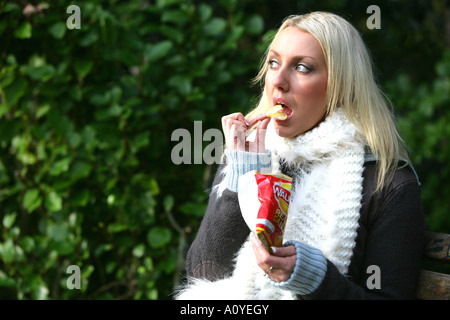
(286, 107)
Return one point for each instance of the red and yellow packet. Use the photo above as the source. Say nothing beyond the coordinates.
(274, 194)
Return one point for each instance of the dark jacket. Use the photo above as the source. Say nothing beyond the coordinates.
(390, 237)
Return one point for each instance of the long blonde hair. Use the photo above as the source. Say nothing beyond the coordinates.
(351, 87)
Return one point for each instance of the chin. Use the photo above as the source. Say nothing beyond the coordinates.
(284, 132)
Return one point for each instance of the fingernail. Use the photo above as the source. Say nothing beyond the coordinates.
(255, 239)
(246, 122)
(274, 249)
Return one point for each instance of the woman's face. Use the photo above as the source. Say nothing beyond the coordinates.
(297, 78)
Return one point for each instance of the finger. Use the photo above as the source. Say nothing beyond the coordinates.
(256, 119)
(239, 117)
(230, 122)
(261, 135)
(264, 123)
(237, 138)
(284, 251)
(266, 260)
(257, 245)
(263, 257)
(278, 268)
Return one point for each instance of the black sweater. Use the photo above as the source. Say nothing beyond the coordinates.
(390, 237)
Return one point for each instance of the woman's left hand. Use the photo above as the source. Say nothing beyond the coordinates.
(282, 261)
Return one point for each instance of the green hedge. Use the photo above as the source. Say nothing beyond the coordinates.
(87, 114)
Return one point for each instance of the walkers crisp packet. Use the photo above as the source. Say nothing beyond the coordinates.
(267, 215)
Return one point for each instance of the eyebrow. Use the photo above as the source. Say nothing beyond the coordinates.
(296, 58)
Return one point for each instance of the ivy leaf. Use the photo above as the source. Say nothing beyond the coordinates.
(53, 202)
(215, 27)
(32, 200)
(9, 219)
(60, 166)
(254, 25)
(193, 209)
(15, 91)
(23, 31)
(157, 237)
(139, 250)
(7, 251)
(58, 30)
(83, 67)
(168, 203)
(181, 83)
(58, 232)
(157, 51)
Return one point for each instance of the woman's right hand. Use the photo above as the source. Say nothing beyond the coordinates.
(235, 128)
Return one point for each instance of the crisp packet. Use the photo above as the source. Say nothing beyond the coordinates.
(264, 201)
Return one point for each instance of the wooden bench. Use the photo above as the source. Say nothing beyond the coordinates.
(434, 278)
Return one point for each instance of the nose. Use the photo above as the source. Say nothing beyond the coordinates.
(280, 79)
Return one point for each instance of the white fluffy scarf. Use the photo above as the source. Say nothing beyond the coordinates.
(327, 164)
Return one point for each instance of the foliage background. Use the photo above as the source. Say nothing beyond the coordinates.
(86, 117)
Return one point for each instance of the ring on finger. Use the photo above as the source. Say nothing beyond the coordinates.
(268, 271)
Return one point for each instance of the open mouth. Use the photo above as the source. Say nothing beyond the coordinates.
(286, 109)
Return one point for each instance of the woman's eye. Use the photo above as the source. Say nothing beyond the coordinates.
(273, 64)
(302, 68)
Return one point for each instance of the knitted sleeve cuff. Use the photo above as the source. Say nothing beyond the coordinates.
(241, 162)
(309, 271)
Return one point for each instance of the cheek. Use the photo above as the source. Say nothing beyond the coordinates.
(267, 82)
(316, 91)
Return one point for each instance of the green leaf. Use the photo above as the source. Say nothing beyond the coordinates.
(193, 209)
(254, 25)
(9, 219)
(80, 169)
(60, 166)
(9, 129)
(7, 251)
(88, 39)
(168, 203)
(175, 16)
(141, 140)
(60, 122)
(43, 73)
(23, 31)
(81, 198)
(139, 250)
(181, 83)
(157, 237)
(204, 12)
(58, 232)
(117, 227)
(158, 50)
(41, 292)
(58, 30)
(53, 202)
(27, 243)
(32, 200)
(83, 67)
(215, 27)
(15, 91)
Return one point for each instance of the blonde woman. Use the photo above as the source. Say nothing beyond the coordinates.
(355, 225)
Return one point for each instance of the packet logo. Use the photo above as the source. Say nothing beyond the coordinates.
(282, 195)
